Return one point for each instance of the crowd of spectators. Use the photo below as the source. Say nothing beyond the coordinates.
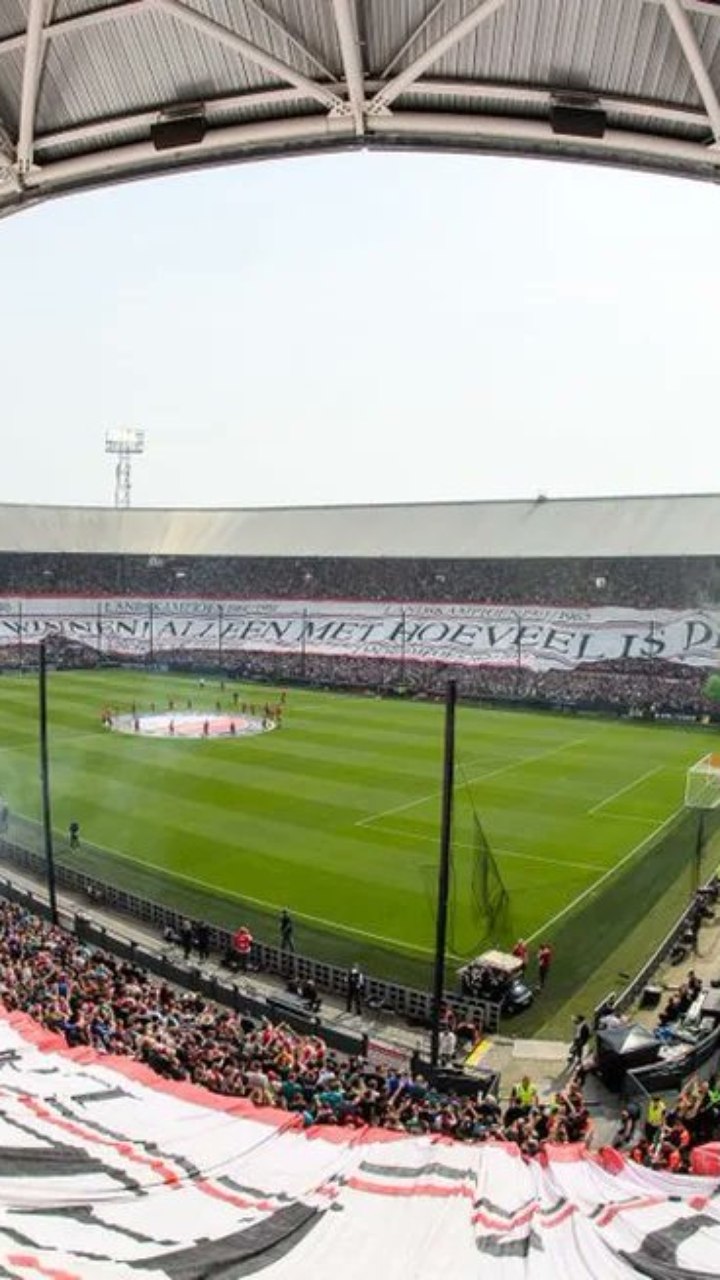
(645, 688)
(94, 999)
(666, 1136)
(655, 582)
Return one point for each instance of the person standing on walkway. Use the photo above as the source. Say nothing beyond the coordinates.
(202, 939)
(186, 938)
(654, 1118)
(544, 960)
(242, 946)
(355, 990)
(525, 1095)
(287, 931)
(579, 1040)
(447, 1046)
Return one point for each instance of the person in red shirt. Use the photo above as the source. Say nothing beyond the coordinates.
(520, 950)
(544, 960)
(242, 946)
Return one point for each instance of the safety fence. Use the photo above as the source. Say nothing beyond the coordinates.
(380, 995)
(682, 926)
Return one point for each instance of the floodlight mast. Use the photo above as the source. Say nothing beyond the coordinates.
(124, 444)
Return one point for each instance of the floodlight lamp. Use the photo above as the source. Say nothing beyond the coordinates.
(125, 440)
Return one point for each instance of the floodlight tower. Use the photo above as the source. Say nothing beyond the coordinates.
(124, 444)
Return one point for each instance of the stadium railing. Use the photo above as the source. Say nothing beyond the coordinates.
(406, 1002)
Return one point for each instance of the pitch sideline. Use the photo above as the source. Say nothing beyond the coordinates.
(610, 872)
(333, 925)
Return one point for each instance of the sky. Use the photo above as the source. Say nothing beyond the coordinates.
(364, 328)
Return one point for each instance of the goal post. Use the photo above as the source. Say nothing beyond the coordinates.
(702, 795)
(702, 783)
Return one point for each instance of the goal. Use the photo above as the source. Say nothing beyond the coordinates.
(702, 784)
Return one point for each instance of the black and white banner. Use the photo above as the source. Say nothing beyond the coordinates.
(536, 638)
(109, 1173)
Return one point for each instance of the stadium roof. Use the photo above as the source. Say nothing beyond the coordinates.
(92, 91)
(553, 528)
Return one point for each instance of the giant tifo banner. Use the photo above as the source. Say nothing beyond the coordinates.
(109, 1173)
(536, 638)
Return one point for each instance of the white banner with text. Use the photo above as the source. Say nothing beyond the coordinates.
(536, 638)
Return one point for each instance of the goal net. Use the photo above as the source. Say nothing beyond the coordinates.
(702, 784)
(489, 891)
(478, 896)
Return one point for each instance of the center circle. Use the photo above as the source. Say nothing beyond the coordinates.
(191, 724)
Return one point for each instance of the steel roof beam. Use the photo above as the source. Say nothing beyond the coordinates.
(32, 66)
(408, 44)
(411, 73)
(284, 31)
(520, 95)
(494, 133)
(513, 95)
(230, 142)
(706, 8)
(100, 127)
(487, 133)
(78, 22)
(128, 8)
(685, 33)
(346, 23)
(190, 17)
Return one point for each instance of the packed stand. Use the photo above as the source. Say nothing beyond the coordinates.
(657, 582)
(92, 998)
(668, 1136)
(651, 689)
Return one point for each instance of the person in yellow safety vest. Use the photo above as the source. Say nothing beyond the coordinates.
(525, 1094)
(654, 1118)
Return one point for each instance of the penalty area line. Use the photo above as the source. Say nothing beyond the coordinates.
(630, 786)
(218, 892)
(498, 853)
(462, 781)
(586, 893)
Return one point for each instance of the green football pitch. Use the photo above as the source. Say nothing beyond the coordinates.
(336, 816)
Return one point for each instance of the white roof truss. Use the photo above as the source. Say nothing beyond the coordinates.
(685, 33)
(276, 77)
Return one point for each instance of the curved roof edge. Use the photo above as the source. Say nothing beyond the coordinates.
(555, 528)
(108, 90)
(520, 139)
